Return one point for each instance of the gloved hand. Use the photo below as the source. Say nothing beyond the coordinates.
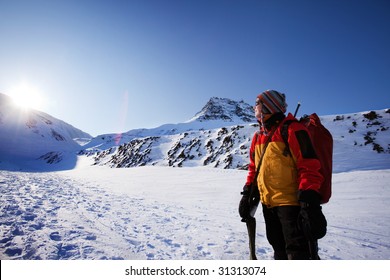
(244, 207)
(311, 220)
(249, 202)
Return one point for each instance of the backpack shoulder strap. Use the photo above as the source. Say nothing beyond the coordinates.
(284, 133)
(262, 154)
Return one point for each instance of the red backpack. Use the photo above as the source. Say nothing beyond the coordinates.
(322, 141)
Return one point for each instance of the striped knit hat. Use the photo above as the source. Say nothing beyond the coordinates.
(272, 101)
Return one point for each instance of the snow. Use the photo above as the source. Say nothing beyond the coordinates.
(163, 213)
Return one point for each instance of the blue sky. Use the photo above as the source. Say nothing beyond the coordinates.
(111, 66)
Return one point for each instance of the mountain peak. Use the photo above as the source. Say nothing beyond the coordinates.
(225, 109)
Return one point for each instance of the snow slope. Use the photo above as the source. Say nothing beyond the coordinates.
(30, 138)
(171, 213)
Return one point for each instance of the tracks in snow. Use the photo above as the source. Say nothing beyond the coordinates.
(48, 216)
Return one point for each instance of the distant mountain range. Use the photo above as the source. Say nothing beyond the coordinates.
(219, 135)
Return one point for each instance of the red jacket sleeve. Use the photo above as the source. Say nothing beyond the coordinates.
(252, 164)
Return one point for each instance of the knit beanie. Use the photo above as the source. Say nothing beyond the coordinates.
(272, 101)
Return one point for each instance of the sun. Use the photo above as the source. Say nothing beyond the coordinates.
(26, 96)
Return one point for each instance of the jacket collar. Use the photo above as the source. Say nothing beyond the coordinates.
(274, 121)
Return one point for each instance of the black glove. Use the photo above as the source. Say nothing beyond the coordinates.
(311, 220)
(249, 202)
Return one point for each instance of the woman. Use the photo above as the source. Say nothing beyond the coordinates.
(287, 176)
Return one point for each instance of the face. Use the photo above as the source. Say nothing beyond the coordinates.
(259, 114)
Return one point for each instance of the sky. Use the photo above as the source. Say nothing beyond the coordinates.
(111, 66)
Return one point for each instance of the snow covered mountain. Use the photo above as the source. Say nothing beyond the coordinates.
(29, 137)
(220, 136)
(227, 110)
(217, 136)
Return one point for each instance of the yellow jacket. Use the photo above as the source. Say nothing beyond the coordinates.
(282, 174)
